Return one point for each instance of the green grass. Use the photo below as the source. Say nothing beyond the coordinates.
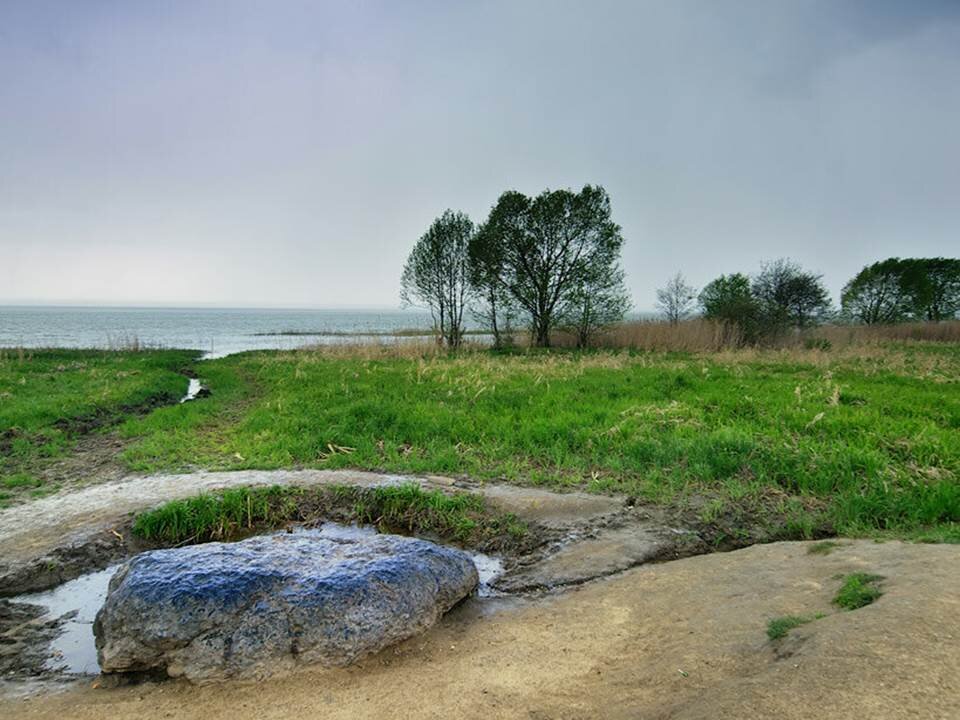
(824, 547)
(858, 590)
(815, 443)
(800, 444)
(781, 626)
(49, 398)
(233, 513)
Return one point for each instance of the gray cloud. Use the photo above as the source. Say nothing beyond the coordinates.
(291, 153)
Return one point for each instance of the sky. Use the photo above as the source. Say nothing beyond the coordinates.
(289, 154)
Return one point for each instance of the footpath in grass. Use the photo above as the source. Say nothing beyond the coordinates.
(861, 442)
(51, 398)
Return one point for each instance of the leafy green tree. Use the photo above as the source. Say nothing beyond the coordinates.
(904, 289)
(598, 300)
(932, 287)
(495, 307)
(788, 296)
(876, 294)
(729, 301)
(436, 274)
(552, 246)
(676, 299)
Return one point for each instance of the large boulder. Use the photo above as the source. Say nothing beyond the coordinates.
(265, 605)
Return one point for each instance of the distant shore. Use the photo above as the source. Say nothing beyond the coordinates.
(401, 332)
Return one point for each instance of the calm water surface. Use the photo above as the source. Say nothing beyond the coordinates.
(216, 331)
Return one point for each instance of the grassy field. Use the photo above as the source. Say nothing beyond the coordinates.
(50, 398)
(855, 440)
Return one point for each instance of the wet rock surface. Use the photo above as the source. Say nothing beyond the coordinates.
(268, 604)
(603, 553)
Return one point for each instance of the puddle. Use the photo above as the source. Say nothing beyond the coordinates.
(193, 387)
(73, 651)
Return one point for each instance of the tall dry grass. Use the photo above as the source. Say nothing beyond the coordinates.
(696, 335)
(701, 335)
(693, 336)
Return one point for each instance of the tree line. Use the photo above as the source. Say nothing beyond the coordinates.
(547, 262)
(553, 262)
(783, 296)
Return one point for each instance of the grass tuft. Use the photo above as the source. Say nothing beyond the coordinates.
(858, 590)
(779, 627)
(238, 512)
(824, 547)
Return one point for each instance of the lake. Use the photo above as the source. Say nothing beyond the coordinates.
(216, 331)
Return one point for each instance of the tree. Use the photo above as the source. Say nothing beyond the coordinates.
(598, 300)
(495, 306)
(676, 299)
(436, 274)
(787, 296)
(932, 287)
(550, 246)
(876, 294)
(729, 301)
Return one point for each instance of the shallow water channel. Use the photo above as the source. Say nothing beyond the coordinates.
(193, 387)
(72, 650)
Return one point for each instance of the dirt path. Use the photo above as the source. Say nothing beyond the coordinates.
(684, 639)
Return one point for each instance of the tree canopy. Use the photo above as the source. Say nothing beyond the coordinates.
(788, 296)
(904, 289)
(676, 299)
(436, 274)
(552, 249)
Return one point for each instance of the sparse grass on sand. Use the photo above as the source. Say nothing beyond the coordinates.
(234, 513)
(780, 627)
(824, 547)
(858, 590)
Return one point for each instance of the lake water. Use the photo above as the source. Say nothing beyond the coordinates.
(216, 331)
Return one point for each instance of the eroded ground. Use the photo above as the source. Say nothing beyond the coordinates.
(590, 625)
(683, 639)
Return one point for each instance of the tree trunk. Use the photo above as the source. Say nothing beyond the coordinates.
(543, 334)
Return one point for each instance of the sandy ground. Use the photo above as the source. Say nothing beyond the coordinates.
(684, 639)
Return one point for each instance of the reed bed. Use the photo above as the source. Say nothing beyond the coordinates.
(699, 335)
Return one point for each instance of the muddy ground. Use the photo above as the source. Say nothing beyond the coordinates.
(683, 639)
(599, 620)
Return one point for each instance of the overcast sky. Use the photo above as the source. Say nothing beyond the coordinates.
(290, 154)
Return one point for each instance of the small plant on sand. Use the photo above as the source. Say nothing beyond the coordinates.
(779, 627)
(824, 547)
(858, 590)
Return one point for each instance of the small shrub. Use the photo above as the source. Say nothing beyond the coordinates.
(858, 590)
